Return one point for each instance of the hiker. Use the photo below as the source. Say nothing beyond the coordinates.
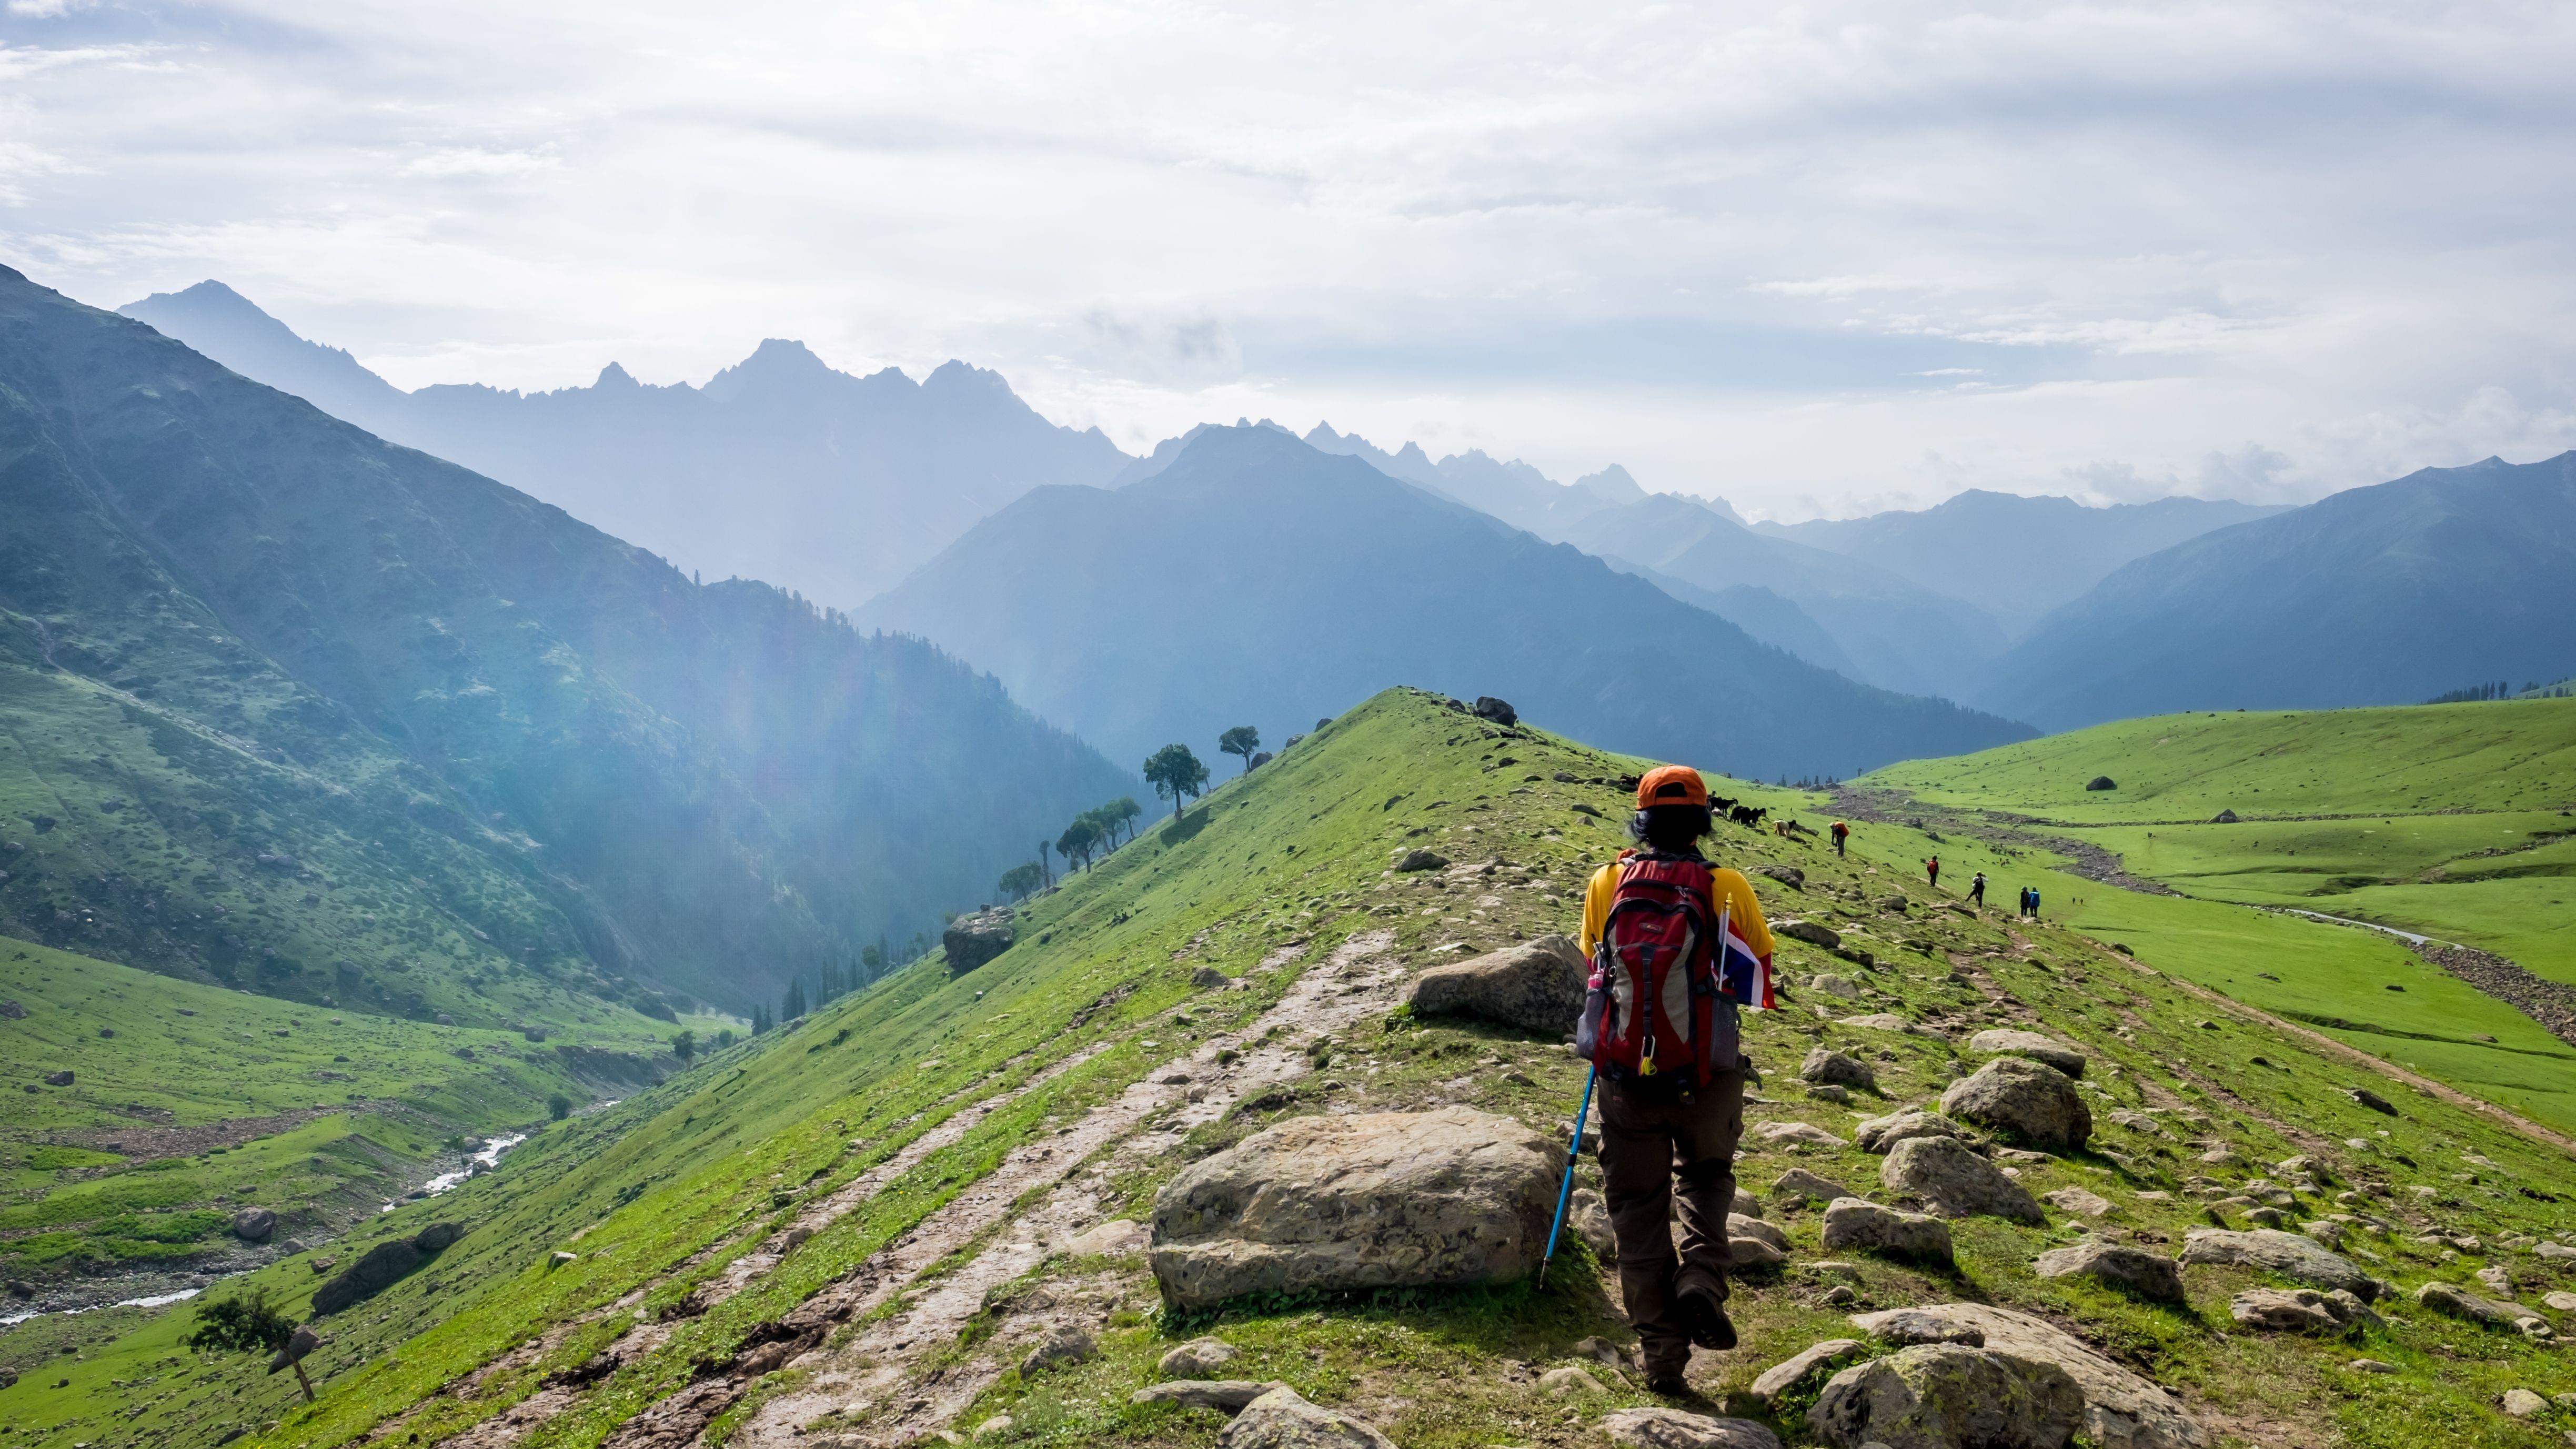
(1660, 1030)
(1977, 888)
(2024, 910)
(1842, 833)
(2034, 903)
(1932, 868)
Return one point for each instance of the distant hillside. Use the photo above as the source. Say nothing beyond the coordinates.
(2379, 595)
(1514, 492)
(1257, 580)
(778, 469)
(296, 709)
(2016, 557)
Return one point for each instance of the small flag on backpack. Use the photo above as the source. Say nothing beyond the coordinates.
(1743, 976)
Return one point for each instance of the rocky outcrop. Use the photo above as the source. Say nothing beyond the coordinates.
(2030, 1103)
(2149, 1275)
(1408, 861)
(1833, 1068)
(2297, 1258)
(1854, 1223)
(1954, 1182)
(2080, 1201)
(1536, 986)
(382, 1266)
(1226, 1396)
(1814, 933)
(2121, 1409)
(2299, 1310)
(1943, 1396)
(2049, 1050)
(2461, 1303)
(1801, 1366)
(254, 1224)
(1374, 1200)
(975, 939)
(1674, 1429)
(1065, 1344)
(1881, 1134)
(1282, 1419)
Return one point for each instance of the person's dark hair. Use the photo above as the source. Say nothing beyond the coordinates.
(1674, 828)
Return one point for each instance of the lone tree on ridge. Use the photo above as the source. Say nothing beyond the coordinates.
(1241, 740)
(1176, 775)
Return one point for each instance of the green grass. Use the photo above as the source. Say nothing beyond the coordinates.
(663, 1190)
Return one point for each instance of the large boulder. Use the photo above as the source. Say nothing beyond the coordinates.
(1199, 1358)
(1281, 1418)
(1943, 1396)
(1954, 1182)
(1660, 1428)
(2005, 1041)
(2299, 1310)
(2295, 1257)
(254, 1224)
(1833, 1068)
(1371, 1200)
(975, 939)
(1535, 986)
(2033, 1104)
(2149, 1275)
(2121, 1409)
(1799, 1367)
(1881, 1134)
(1814, 933)
(1852, 1222)
(1226, 1396)
(2461, 1303)
(1801, 1184)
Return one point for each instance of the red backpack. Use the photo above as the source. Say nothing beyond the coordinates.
(1650, 1008)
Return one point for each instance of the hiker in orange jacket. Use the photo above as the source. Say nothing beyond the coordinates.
(1932, 868)
(1682, 1122)
(1842, 833)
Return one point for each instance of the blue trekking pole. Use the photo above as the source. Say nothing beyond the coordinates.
(1565, 1189)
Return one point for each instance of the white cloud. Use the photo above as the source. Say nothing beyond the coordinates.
(1803, 257)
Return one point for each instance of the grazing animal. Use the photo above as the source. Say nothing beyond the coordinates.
(1748, 815)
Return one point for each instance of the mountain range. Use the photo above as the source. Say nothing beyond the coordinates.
(779, 468)
(1256, 579)
(293, 706)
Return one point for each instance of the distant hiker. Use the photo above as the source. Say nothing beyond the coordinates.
(2034, 903)
(1932, 868)
(1842, 833)
(1977, 888)
(1659, 1026)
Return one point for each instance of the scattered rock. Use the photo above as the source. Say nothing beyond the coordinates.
(2299, 1259)
(975, 939)
(2122, 1410)
(1790, 1372)
(2371, 1366)
(12, 1011)
(1852, 1222)
(1226, 1396)
(1417, 860)
(2461, 1303)
(1944, 1396)
(2495, 1279)
(1754, 1255)
(1837, 1069)
(1673, 1429)
(1799, 1132)
(2149, 1275)
(1886, 1021)
(1536, 986)
(2049, 1050)
(1569, 1381)
(1955, 1182)
(2025, 1100)
(1208, 978)
(1834, 984)
(1787, 875)
(2101, 782)
(2559, 1302)
(1881, 1134)
(1601, 1351)
(58, 1079)
(2079, 1201)
(1814, 933)
(2523, 1403)
(1489, 708)
(2299, 1310)
(1109, 1239)
(1199, 1358)
(254, 1224)
(1740, 1225)
(1370, 1200)
(1281, 1418)
(2368, 1098)
(1064, 1344)
(1588, 1213)
(1798, 1182)
(2223, 817)
(994, 1427)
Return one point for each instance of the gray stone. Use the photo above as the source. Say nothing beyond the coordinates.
(972, 940)
(254, 1224)
(2029, 1102)
(1569, 1381)
(1796, 1369)
(58, 1079)
(1673, 1429)
(1834, 983)
(1064, 1344)
(1886, 1021)
(1879, 1134)
(1282, 1419)
(1787, 875)
(1226, 1396)
(1109, 1239)
(2121, 1409)
(1806, 1133)
(2078, 1201)
(2561, 1302)
(1814, 933)
(1943, 1396)
(1851, 1222)
(1588, 1213)
(1954, 1182)
(1536, 986)
(1344, 1203)
(1739, 1225)
(2295, 1257)
(1905, 1327)
(1753, 1255)
(2523, 1403)
(2461, 1303)
(1199, 1358)
(2299, 1310)
(994, 1427)
(1600, 1350)
(2006, 1041)
(1836, 1069)
(1798, 1182)
(2371, 1366)
(2149, 1275)
(1414, 860)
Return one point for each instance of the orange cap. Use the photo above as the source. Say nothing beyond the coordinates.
(1672, 785)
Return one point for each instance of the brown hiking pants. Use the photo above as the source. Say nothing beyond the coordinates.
(1651, 1137)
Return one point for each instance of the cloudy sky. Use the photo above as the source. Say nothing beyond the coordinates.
(1817, 259)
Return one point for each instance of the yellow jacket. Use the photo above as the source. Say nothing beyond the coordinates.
(1728, 888)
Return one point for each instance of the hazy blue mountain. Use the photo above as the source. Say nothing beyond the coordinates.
(1257, 580)
(1893, 633)
(296, 707)
(1757, 611)
(2381, 595)
(1514, 492)
(2016, 558)
(780, 468)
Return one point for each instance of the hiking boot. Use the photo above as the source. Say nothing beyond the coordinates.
(1710, 1328)
(1669, 1384)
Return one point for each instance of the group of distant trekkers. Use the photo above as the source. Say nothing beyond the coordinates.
(1976, 883)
